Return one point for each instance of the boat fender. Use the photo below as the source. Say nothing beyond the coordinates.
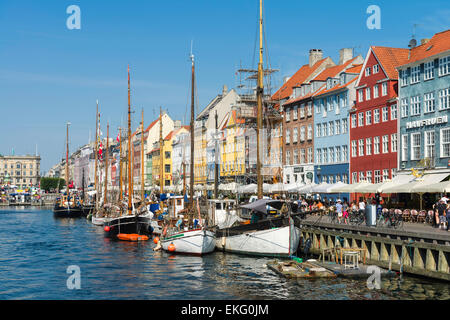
(156, 240)
(107, 229)
(171, 247)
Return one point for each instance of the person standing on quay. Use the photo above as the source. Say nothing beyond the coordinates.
(339, 210)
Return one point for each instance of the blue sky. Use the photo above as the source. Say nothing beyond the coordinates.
(50, 75)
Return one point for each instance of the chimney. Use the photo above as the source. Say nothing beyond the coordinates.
(224, 90)
(286, 79)
(345, 55)
(314, 56)
(423, 41)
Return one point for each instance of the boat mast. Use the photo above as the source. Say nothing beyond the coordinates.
(216, 166)
(106, 163)
(67, 162)
(130, 182)
(96, 158)
(161, 151)
(191, 181)
(142, 156)
(120, 164)
(259, 93)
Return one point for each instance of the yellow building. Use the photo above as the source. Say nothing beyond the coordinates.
(232, 148)
(167, 157)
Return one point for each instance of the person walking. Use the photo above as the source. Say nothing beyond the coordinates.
(441, 209)
(345, 209)
(339, 210)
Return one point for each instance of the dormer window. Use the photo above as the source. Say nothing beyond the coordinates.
(367, 72)
(328, 84)
(375, 69)
(342, 78)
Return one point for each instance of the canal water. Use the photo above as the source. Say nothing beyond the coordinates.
(36, 251)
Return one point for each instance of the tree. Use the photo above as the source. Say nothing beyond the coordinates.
(48, 184)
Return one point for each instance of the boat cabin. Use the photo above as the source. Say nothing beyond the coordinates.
(175, 205)
(218, 210)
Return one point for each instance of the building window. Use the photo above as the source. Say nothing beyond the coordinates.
(344, 125)
(428, 71)
(385, 174)
(353, 120)
(369, 176)
(415, 146)
(403, 78)
(319, 156)
(360, 95)
(415, 106)
(302, 111)
(367, 71)
(444, 66)
(331, 128)
(295, 136)
(361, 176)
(302, 133)
(167, 168)
(377, 176)
(393, 173)
(405, 147)
(444, 99)
(375, 69)
(167, 154)
(288, 115)
(331, 154)
(415, 74)
(404, 107)
(288, 157)
(375, 91)
(394, 112)
(376, 145)
(318, 128)
(310, 134)
(296, 157)
(288, 136)
(367, 93)
(324, 129)
(368, 117)
(309, 108)
(337, 127)
(429, 144)
(384, 89)
(344, 153)
(428, 100)
(368, 146)
(325, 155)
(354, 177)
(338, 154)
(310, 155)
(445, 143)
(376, 116)
(384, 114)
(354, 148)
(302, 156)
(360, 119)
(385, 144)
(295, 115)
(361, 147)
(394, 143)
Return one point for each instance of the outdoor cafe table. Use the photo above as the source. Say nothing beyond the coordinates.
(341, 251)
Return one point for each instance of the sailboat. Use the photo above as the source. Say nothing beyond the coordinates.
(68, 205)
(270, 236)
(136, 223)
(191, 239)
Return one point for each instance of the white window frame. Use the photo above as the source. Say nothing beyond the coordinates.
(415, 74)
(444, 143)
(368, 93)
(354, 149)
(361, 148)
(367, 71)
(444, 66)
(385, 143)
(360, 95)
(318, 129)
(295, 135)
(394, 142)
(429, 104)
(302, 134)
(337, 127)
(405, 147)
(375, 91)
(368, 146)
(403, 77)
(369, 176)
(368, 117)
(428, 70)
(361, 119)
(353, 117)
(444, 99)
(377, 176)
(384, 89)
(344, 126)
(394, 112)
(416, 145)
(376, 116)
(344, 153)
(385, 174)
(404, 108)
(415, 107)
(429, 139)
(376, 69)
(310, 155)
(384, 114)
(309, 132)
(376, 145)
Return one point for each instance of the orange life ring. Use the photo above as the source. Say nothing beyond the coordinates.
(132, 237)
(171, 247)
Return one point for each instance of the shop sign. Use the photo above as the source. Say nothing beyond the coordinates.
(426, 122)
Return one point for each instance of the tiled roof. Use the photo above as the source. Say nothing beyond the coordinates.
(355, 69)
(335, 88)
(298, 78)
(440, 42)
(389, 58)
(334, 71)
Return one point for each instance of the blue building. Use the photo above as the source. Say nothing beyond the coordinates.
(331, 125)
(424, 105)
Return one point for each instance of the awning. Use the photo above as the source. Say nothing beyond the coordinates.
(328, 188)
(349, 188)
(261, 205)
(380, 187)
(418, 185)
(440, 187)
(306, 188)
(294, 187)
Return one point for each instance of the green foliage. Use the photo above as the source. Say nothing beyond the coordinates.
(48, 184)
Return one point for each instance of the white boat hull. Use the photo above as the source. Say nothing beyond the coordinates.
(157, 229)
(99, 221)
(196, 242)
(282, 241)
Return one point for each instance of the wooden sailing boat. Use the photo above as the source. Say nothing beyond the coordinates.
(192, 239)
(269, 236)
(132, 225)
(68, 205)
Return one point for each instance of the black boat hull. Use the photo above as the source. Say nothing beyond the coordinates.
(128, 225)
(64, 212)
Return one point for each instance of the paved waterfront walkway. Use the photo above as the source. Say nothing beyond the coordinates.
(421, 228)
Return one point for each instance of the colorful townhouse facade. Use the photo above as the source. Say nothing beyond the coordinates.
(374, 119)
(332, 104)
(424, 106)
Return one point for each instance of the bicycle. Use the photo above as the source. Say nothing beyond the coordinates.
(356, 217)
(395, 220)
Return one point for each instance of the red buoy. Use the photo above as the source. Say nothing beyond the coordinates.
(156, 240)
(171, 247)
(107, 228)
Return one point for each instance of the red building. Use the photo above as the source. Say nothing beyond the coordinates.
(374, 137)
